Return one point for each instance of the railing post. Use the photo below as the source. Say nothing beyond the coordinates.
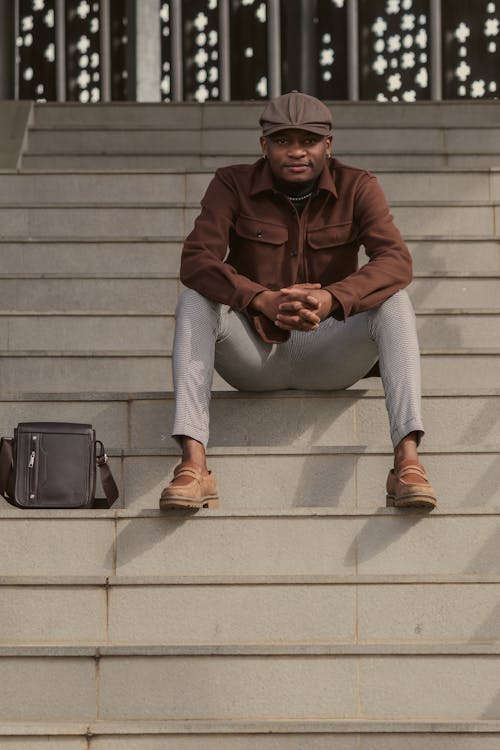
(224, 51)
(353, 50)
(148, 51)
(60, 19)
(436, 51)
(176, 72)
(105, 40)
(274, 48)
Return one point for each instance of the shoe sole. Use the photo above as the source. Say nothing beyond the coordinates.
(172, 503)
(412, 501)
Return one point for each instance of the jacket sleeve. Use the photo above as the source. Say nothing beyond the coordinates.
(202, 262)
(389, 268)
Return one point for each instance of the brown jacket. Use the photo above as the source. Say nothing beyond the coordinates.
(271, 246)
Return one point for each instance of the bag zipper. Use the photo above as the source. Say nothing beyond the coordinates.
(31, 467)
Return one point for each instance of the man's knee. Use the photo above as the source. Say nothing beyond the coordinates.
(397, 307)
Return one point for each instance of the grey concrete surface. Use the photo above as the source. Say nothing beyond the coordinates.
(228, 687)
(47, 689)
(151, 371)
(15, 117)
(52, 615)
(106, 255)
(235, 114)
(153, 186)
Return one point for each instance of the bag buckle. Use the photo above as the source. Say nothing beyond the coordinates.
(101, 458)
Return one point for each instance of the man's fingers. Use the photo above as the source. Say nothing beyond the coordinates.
(298, 326)
(305, 320)
(308, 285)
(302, 296)
(292, 306)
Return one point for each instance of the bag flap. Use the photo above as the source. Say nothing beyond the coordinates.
(61, 428)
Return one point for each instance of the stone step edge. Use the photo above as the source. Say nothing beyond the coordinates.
(112, 127)
(173, 276)
(249, 727)
(14, 513)
(355, 392)
(419, 312)
(164, 353)
(186, 171)
(191, 205)
(140, 581)
(162, 239)
(300, 450)
(251, 155)
(99, 651)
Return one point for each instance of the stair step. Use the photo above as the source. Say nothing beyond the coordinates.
(249, 687)
(286, 419)
(211, 543)
(300, 649)
(332, 479)
(161, 221)
(368, 160)
(222, 140)
(324, 618)
(260, 735)
(157, 295)
(239, 114)
(72, 333)
(150, 186)
(461, 480)
(323, 734)
(106, 255)
(151, 370)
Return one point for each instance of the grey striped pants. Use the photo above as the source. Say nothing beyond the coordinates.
(333, 357)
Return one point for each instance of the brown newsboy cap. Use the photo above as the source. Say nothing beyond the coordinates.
(296, 110)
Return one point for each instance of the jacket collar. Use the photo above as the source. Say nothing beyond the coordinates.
(263, 179)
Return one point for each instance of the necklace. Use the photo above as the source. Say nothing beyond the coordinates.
(297, 198)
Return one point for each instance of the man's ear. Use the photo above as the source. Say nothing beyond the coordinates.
(263, 144)
(329, 141)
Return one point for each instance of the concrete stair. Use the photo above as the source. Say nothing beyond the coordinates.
(194, 136)
(303, 613)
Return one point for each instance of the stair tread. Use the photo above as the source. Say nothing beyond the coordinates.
(356, 392)
(102, 649)
(113, 353)
(246, 580)
(308, 512)
(191, 171)
(195, 204)
(249, 726)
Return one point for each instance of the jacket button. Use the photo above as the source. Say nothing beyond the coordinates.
(258, 234)
(293, 254)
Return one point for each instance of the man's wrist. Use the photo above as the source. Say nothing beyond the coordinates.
(333, 302)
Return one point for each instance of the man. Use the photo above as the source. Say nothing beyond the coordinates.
(288, 307)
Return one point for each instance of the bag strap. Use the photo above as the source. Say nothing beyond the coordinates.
(6, 463)
(107, 480)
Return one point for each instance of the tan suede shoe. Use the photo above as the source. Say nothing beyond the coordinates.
(200, 492)
(409, 487)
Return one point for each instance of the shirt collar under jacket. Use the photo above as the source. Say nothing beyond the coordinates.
(263, 178)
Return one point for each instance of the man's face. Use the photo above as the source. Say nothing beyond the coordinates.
(296, 155)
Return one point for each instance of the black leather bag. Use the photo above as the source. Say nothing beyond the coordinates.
(53, 465)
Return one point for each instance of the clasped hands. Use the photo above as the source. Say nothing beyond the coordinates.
(300, 307)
